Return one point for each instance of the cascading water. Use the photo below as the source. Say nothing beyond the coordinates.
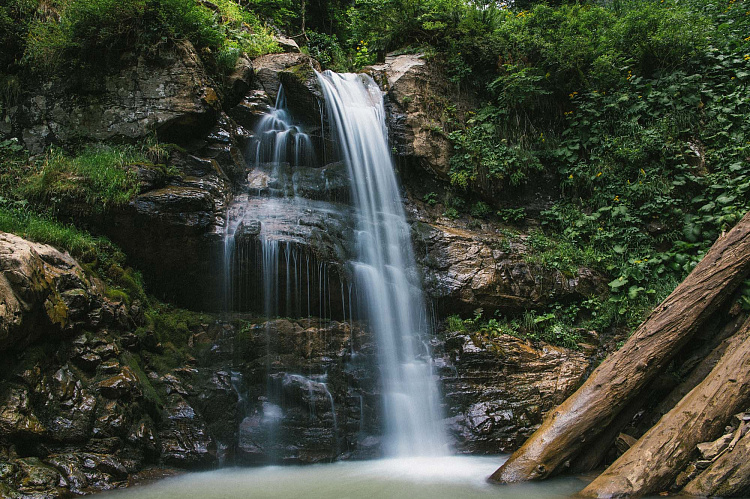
(278, 140)
(385, 268)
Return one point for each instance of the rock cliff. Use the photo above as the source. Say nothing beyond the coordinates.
(91, 395)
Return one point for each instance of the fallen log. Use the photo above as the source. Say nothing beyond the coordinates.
(652, 463)
(709, 358)
(624, 374)
(728, 475)
(595, 453)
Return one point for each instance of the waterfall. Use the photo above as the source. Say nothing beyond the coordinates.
(278, 140)
(385, 269)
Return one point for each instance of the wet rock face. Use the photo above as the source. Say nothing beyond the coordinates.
(497, 390)
(169, 93)
(288, 391)
(42, 289)
(418, 94)
(70, 407)
(171, 231)
(296, 72)
(465, 269)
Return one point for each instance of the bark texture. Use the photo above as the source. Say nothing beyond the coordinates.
(624, 374)
(728, 476)
(651, 465)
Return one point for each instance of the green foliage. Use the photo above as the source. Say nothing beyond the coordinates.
(97, 254)
(15, 16)
(512, 215)
(430, 199)
(173, 326)
(553, 327)
(98, 176)
(455, 323)
(480, 209)
(16, 218)
(480, 154)
(91, 34)
(31, 191)
(327, 50)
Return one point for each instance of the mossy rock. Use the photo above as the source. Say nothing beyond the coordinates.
(303, 93)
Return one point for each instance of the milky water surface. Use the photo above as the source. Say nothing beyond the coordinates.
(456, 477)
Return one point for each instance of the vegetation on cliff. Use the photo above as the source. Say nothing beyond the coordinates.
(73, 36)
(634, 111)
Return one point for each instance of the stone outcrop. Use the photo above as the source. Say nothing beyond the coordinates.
(169, 93)
(423, 107)
(419, 96)
(172, 230)
(43, 291)
(498, 389)
(65, 383)
(90, 405)
(464, 269)
(296, 72)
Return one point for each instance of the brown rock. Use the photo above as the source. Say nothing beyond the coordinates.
(421, 93)
(39, 286)
(465, 269)
(499, 388)
(122, 386)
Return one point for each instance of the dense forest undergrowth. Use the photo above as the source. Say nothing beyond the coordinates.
(637, 111)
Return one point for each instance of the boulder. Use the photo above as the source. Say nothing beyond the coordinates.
(419, 95)
(286, 44)
(169, 93)
(297, 73)
(466, 269)
(43, 290)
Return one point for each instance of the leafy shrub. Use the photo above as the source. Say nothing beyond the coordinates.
(98, 177)
(91, 34)
(15, 16)
(480, 209)
(326, 49)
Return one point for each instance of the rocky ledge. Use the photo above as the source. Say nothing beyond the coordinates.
(91, 396)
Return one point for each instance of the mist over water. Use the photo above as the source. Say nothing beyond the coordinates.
(400, 478)
(385, 271)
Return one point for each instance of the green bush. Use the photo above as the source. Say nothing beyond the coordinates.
(98, 176)
(92, 34)
(15, 16)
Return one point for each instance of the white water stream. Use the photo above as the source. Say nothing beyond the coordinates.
(385, 270)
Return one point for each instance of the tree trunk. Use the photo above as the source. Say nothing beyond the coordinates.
(728, 476)
(623, 375)
(725, 339)
(651, 465)
(593, 455)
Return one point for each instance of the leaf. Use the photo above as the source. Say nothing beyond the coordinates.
(634, 291)
(725, 199)
(618, 283)
(735, 167)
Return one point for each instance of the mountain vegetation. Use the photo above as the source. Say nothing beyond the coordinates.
(637, 111)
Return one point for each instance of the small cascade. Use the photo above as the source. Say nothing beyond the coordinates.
(277, 140)
(268, 230)
(385, 268)
(281, 278)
